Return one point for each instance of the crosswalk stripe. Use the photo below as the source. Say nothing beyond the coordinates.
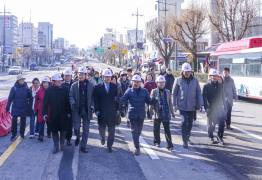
(147, 148)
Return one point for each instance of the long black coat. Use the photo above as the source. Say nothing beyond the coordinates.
(58, 102)
(170, 79)
(105, 103)
(214, 100)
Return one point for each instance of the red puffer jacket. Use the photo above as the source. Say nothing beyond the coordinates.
(39, 98)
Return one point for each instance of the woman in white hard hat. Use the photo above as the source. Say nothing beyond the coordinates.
(38, 106)
(68, 82)
(215, 106)
(162, 110)
(19, 97)
(163, 71)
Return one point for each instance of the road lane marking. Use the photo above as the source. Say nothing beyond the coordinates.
(147, 148)
(12, 147)
(248, 133)
(75, 162)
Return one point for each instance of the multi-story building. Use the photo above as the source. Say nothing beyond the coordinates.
(28, 34)
(10, 39)
(61, 43)
(41, 38)
(109, 39)
(47, 30)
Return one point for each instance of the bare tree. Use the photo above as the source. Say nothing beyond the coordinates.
(156, 31)
(231, 18)
(119, 51)
(190, 26)
(109, 55)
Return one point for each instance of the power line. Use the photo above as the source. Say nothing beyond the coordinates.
(143, 5)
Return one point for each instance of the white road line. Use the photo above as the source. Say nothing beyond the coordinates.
(248, 133)
(147, 148)
(75, 162)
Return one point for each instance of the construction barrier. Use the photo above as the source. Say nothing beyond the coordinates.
(5, 118)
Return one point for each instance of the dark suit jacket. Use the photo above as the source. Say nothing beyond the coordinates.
(214, 100)
(105, 103)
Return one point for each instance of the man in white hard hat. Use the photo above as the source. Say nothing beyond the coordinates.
(215, 106)
(106, 108)
(56, 99)
(82, 102)
(163, 71)
(137, 98)
(186, 92)
(162, 110)
(67, 84)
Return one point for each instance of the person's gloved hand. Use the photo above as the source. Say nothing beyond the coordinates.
(45, 117)
(201, 108)
(97, 113)
(73, 106)
(8, 111)
(117, 113)
(117, 98)
(68, 116)
(207, 111)
(175, 108)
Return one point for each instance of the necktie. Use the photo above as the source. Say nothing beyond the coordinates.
(107, 88)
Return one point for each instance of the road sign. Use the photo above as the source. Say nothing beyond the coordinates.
(19, 50)
(124, 51)
(99, 51)
(20, 44)
(113, 46)
(134, 57)
(167, 40)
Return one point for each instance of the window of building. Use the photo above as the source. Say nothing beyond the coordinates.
(200, 47)
(180, 47)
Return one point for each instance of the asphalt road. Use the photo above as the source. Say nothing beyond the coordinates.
(240, 158)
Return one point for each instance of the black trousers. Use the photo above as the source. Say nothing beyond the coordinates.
(157, 123)
(229, 110)
(69, 131)
(186, 124)
(111, 134)
(136, 127)
(22, 125)
(211, 127)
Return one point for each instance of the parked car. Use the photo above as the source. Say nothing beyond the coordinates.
(44, 65)
(33, 67)
(53, 64)
(145, 68)
(14, 70)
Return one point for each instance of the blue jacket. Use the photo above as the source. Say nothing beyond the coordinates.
(137, 102)
(19, 97)
(125, 85)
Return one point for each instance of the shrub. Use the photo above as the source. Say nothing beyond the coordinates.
(202, 77)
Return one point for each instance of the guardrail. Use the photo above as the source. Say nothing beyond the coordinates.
(5, 118)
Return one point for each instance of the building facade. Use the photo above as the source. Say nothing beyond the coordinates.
(28, 34)
(47, 30)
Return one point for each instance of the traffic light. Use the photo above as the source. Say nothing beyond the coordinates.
(109, 48)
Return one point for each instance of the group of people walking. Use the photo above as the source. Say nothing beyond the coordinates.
(64, 105)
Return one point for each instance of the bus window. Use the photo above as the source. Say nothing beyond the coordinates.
(253, 70)
(238, 69)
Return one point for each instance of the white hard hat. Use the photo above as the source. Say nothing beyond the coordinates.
(68, 72)
(136, 78)
(163, 67)
(123, 73)
(186, 67)
(20, 76)
(213, 72)
(57, 77)
(107, 72)
(46, 79)
(160, 79)
(82, 70)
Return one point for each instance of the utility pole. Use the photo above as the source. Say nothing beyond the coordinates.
(3, 51)
(136, 63)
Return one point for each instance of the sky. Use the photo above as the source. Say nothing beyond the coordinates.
(81, 22)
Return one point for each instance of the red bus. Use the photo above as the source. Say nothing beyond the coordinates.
(244, 59)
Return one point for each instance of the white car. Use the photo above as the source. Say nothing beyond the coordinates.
(14, 70)
(145, 68)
